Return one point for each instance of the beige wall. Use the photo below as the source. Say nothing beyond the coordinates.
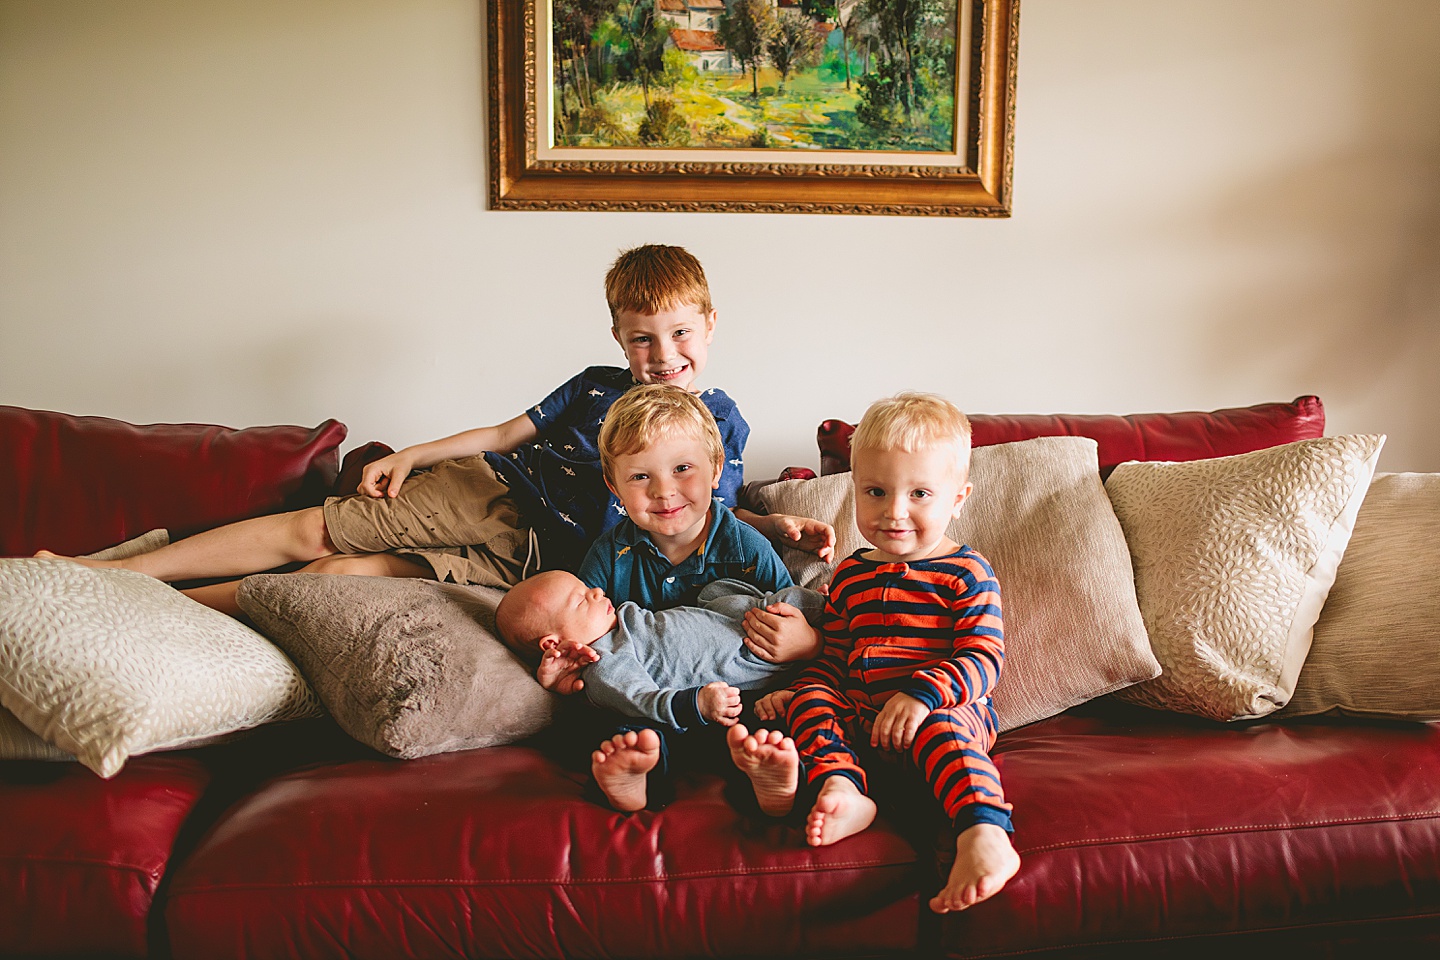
(260, 211)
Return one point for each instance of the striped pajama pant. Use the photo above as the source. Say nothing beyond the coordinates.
(951, 750)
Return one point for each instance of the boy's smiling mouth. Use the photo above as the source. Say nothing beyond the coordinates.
(669, 373)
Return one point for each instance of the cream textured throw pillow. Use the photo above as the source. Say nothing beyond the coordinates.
(1233, 559)
(1377, 643)
(1040, 516)
(106, 664)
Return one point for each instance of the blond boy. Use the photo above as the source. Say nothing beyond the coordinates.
(913, 646)
(495, 496)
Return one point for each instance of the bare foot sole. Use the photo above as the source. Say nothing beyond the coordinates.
(985, 860)
(620, 766)
(769, 759)
(840, 810)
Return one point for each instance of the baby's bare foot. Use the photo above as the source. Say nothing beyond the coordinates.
(985, 860)
(840, 810)
(620, 765)
(769, 759)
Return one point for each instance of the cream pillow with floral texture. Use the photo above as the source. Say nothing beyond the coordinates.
(1040, 516)
(107, 664)
(1233, 560)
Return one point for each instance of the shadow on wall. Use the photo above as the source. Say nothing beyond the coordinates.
(1357, 319)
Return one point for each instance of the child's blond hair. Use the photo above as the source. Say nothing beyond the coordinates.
(651, 411)
(914, 421)
(655, 277)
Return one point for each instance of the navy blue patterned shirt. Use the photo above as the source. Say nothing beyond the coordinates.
(556, 478)
(627, 565)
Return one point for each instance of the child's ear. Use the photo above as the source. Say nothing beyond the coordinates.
(961, 497)
(610, 485)
(548, 642)
(710, 319)
(719, 469)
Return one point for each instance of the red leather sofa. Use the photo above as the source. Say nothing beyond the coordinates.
(1141, 833)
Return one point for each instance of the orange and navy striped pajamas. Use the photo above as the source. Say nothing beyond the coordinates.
(930, 629)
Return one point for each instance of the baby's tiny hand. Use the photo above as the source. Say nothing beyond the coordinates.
(560, 666)
(772, 705)
(719, 702)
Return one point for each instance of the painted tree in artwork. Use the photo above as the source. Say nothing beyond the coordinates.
(912, 65)
(636, 37)
(793, 45)
(746, 29)
(574, 23)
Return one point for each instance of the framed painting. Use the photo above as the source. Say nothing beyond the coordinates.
(807, 106)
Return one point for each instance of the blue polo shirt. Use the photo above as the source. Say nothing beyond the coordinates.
(627, 565)
(556, 479)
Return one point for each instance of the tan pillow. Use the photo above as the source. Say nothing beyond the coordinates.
(17, 742)
(1377, 643)
(1233, 559)
(1040, 516)
(107, 664)
(408, 667)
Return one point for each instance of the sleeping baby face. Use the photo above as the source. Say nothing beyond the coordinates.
(567, 611)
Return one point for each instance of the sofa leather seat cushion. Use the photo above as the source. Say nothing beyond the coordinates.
(1134, 826)
(497, 852)
(81, 858)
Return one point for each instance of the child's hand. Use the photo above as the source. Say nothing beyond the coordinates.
(560, 666)
(385, 476)
(780, 634)
(772, 705)
(719, 702)
(803, 533)
(897, 722)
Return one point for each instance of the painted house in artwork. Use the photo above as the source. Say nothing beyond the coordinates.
(693, 14)
(704, 49)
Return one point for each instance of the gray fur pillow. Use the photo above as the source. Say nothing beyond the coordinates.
(408, 667)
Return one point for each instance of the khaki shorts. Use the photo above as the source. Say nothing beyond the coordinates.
(457, 518)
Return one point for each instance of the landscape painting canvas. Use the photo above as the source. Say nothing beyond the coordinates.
(775, 75)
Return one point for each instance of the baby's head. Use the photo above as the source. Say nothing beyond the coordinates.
(542, 611)
(661, 314)
(662, 455)
(910, 460)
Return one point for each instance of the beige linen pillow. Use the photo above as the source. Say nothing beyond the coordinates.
(18, 742)
(1377, 643)
(1040, 516)
(1233, 559)
(107, 664)
(407, 667)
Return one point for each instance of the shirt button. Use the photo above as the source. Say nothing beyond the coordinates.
(669, 579)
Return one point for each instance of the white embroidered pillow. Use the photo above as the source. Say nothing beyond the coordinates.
(106, 664)
(1233, 560)
(1040, 516)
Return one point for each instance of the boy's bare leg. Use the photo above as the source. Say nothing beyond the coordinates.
(620, 766)
(770, 760)
(221, 596)
(985, 860)
(840, 810)
(233, 550)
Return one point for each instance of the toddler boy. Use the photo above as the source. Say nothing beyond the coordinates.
(913, 646)
(496, 493)
(678, 668)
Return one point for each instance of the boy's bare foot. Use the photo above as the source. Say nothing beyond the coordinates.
(83, 561)
(840, 810)
(620, 765)
(985, 860)
(769, 759)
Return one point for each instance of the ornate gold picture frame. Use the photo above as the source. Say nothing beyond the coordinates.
(561, 139)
